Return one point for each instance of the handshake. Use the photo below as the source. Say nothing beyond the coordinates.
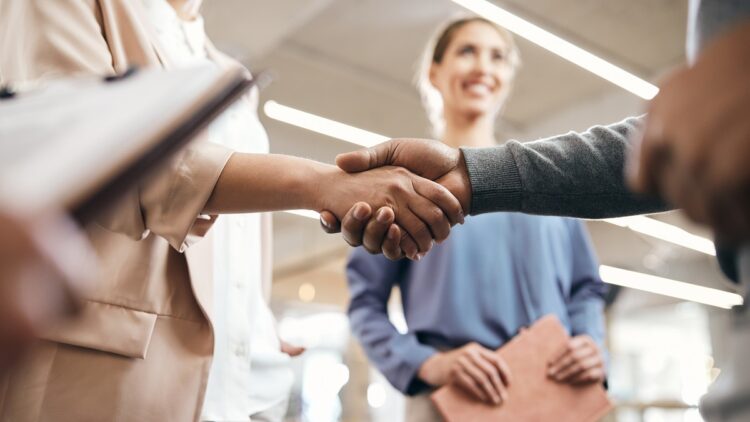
(413, 192)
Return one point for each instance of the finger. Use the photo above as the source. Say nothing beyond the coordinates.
(291, 350)
(466, 382)
(576, 355)
(491, 373)
(409, 246)
(295, 351)
(366, 159)
(416, 228)
(502, 367)
(572, 344)
(441, 197)
(329, 222)
(433, 217)
(376, 230)
(571, 359)
(587, 377)
(481, 379)
(580, 366)
(392, 243)
(353, 225)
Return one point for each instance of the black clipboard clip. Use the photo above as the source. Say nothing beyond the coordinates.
(7, 92)
(120, 76)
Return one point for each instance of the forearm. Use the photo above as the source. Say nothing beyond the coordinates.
(268, 182)
(577, 174)
(398, 356)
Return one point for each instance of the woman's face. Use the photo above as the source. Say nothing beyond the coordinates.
(470, 76)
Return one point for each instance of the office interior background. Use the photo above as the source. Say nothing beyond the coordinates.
(353, 61)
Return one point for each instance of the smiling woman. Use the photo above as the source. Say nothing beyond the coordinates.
(503, 57)
(495, 274)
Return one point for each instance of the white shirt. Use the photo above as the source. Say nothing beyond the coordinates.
(244, 327)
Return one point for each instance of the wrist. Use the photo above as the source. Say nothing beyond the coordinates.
(318, 185)
(458, 183)
(431, 370)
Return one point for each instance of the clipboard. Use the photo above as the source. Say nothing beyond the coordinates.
(78, 144)
(533, 397)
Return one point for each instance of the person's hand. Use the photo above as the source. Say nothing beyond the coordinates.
(579, 362)
(291, 350)
(430, 159)
(377, 235)
(44, 266)
(696, 142)
(424, 209)
(480, 372)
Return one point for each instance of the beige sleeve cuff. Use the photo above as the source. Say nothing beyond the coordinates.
(172, 201)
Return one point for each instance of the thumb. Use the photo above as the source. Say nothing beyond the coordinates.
(366, 159)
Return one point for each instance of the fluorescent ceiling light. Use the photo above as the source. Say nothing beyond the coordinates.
(667, 232)
(562, 48)
(667, 287)
(322, 125)
(305, 213)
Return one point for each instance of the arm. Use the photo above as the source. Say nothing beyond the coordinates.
(579, 175)
(586, 303)
(41, 39)
(398, 356)
(583, 360)
(695, 147)
(269, 182)
(576, 174)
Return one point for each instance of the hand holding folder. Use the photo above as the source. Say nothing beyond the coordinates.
(533, 396)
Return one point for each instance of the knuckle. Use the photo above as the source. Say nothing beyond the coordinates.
(370, 249)
(435, 216)
(351, 225)
(422, 237)
(401, 172)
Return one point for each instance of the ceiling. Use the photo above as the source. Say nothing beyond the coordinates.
(354, 60)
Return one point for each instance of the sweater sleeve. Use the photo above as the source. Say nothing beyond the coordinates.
(398, 356)
(576, 174)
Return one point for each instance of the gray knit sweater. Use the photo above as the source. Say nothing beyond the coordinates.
(580, 174)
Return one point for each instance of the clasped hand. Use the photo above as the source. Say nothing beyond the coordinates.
(402, 220)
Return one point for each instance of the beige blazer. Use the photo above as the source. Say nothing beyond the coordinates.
(141, 350)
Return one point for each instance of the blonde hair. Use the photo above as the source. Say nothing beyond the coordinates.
(434, 53)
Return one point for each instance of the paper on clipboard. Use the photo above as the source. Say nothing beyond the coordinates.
(533, 397)
(76, 144)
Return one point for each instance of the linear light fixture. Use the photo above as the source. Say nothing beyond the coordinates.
(322, 125)
(561, 47)
(667, 232)
(668, 287)
(305, 213)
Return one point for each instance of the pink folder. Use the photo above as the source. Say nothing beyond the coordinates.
(533, 397)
